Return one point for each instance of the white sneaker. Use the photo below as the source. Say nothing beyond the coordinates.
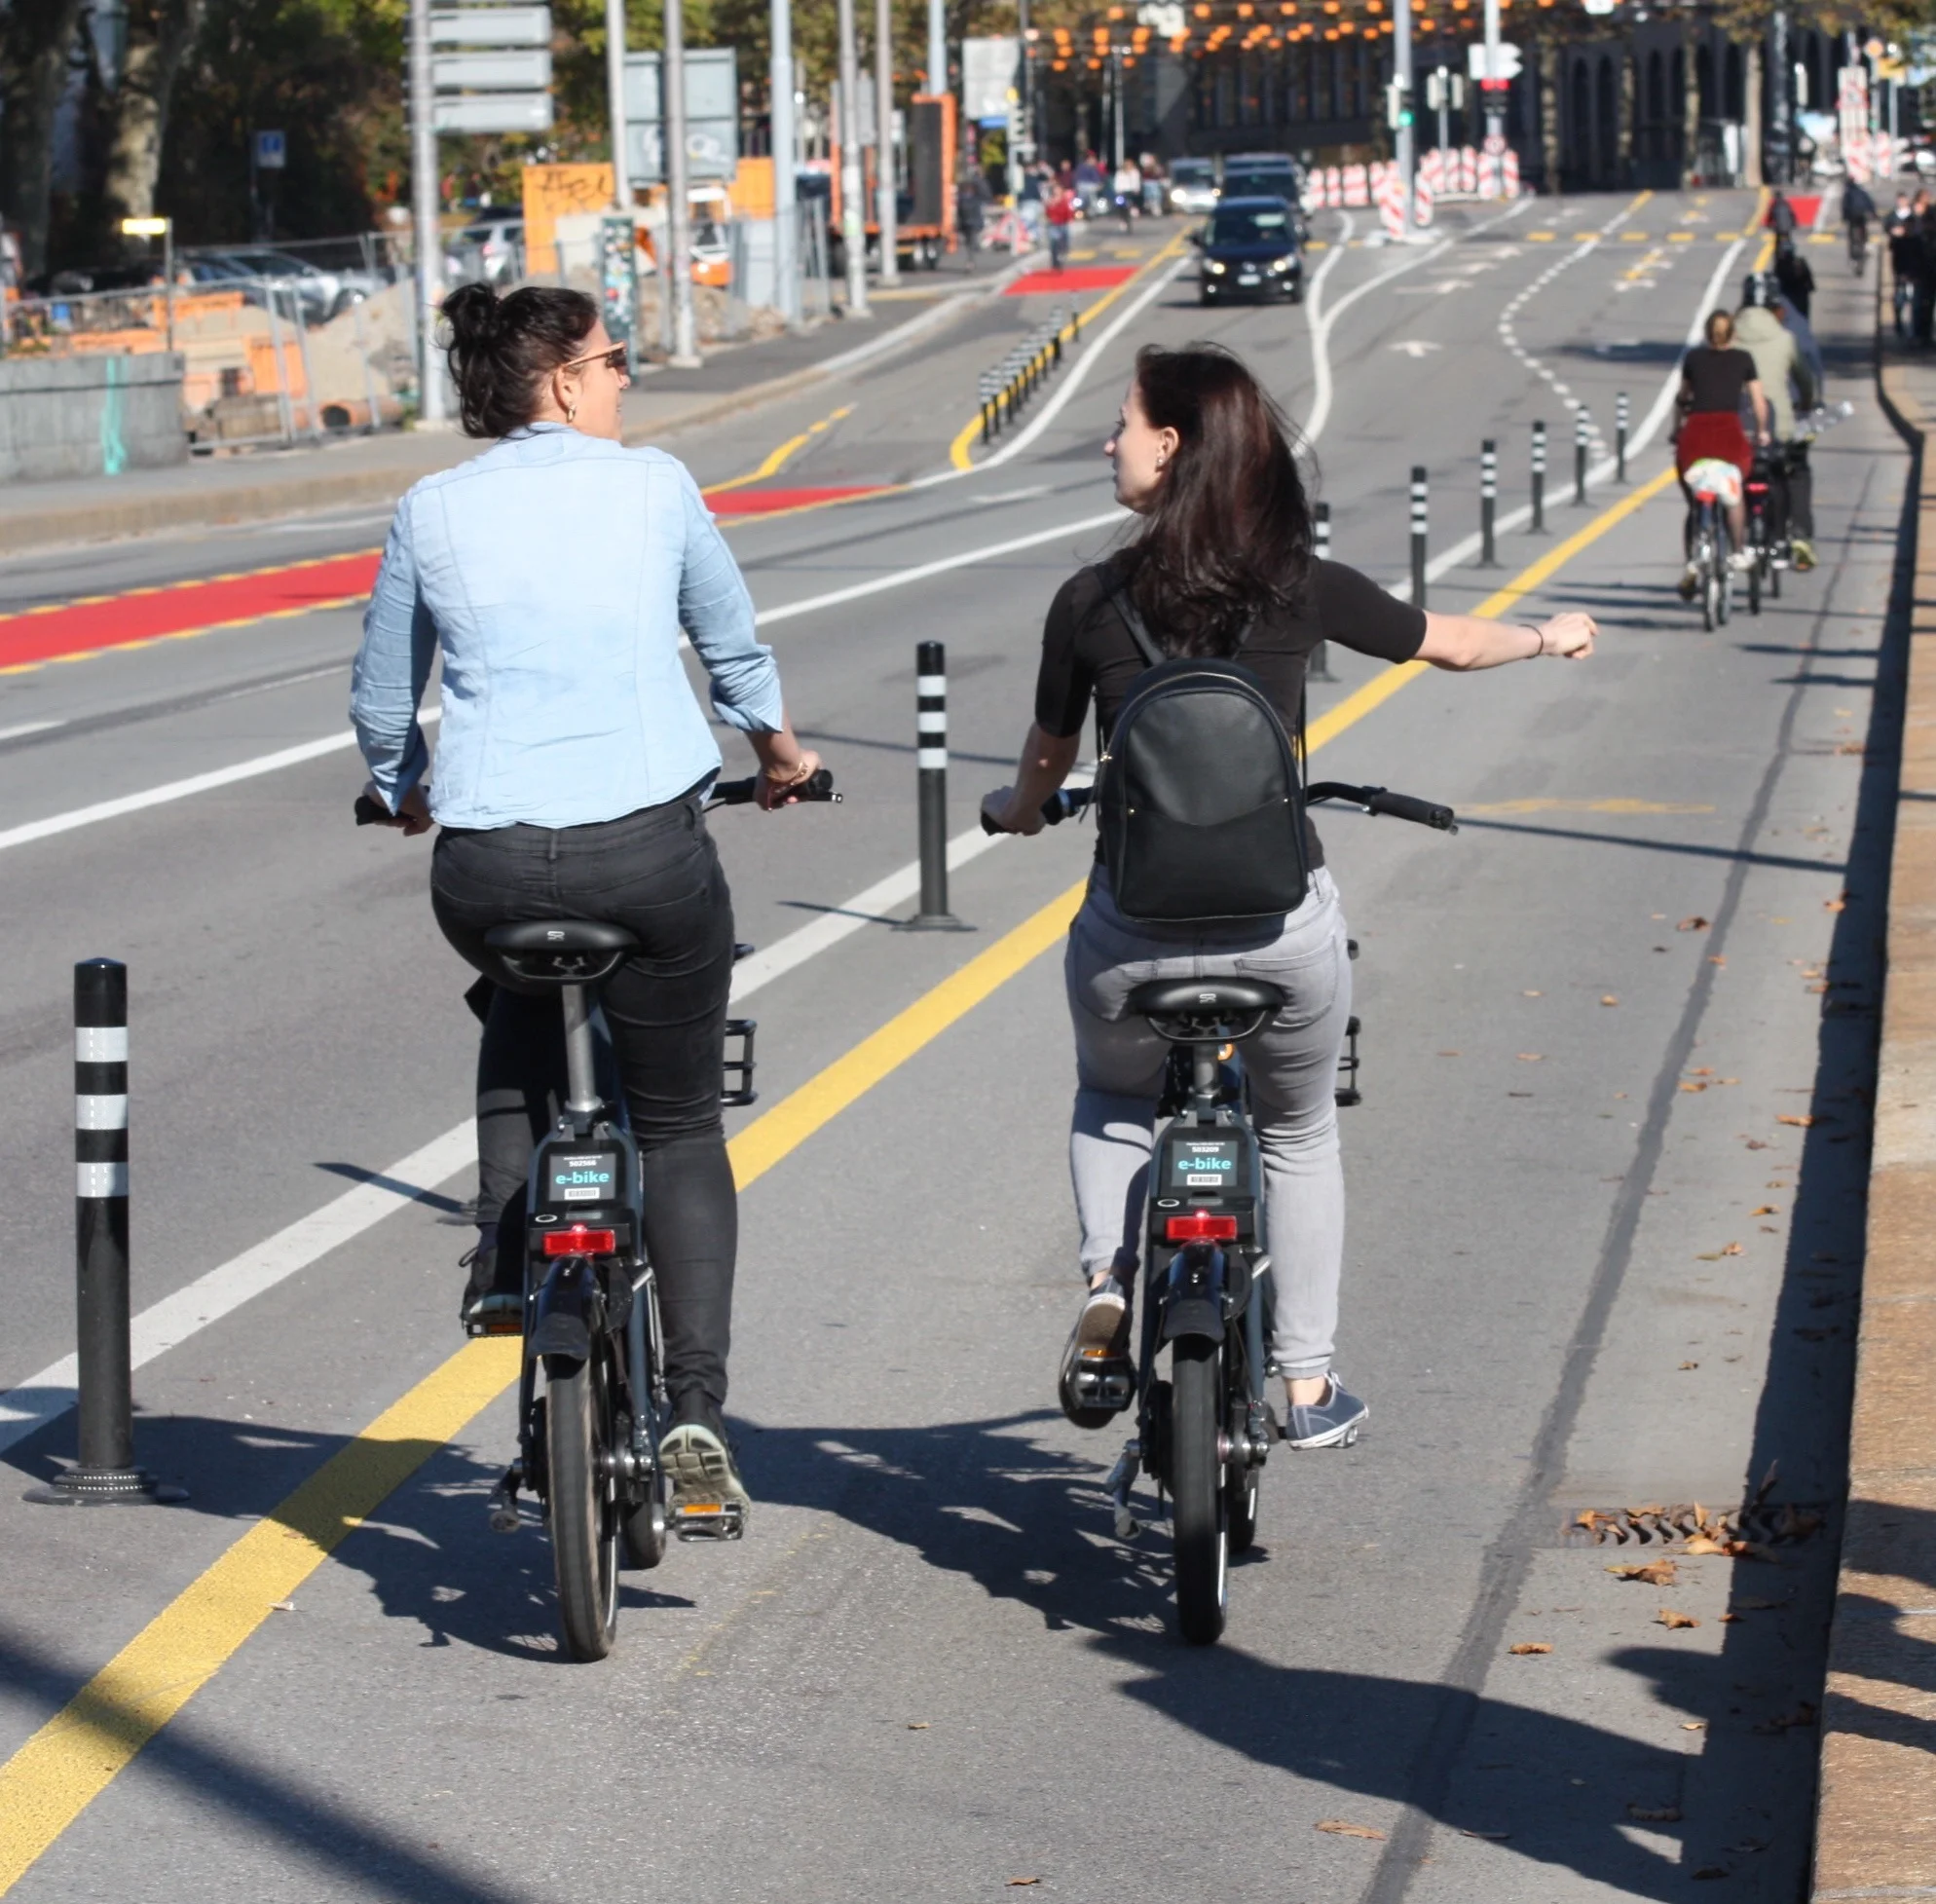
(1741, 560)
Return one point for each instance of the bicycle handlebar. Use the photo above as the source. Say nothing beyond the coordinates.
(1070, 800)
(818, 786)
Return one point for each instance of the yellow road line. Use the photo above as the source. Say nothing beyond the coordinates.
(776, 460)
(957, 451)
(53, 1778)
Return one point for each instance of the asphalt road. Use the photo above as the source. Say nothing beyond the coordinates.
(931, 1670)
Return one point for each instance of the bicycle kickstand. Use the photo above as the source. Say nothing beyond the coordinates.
(502, 1506)
(1122, 1477)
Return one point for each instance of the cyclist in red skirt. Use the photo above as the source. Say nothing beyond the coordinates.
(1714, 376)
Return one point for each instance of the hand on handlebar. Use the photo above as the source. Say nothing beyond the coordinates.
(1001, 814)
(1570, 636)
(413, 814)
(770, 793)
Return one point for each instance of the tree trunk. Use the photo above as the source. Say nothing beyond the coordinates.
(1751, 115)
(36, 40)
(1690, 109)
(159, 34)
(1549, 116)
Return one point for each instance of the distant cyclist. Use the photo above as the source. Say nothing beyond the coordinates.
(552, 576)
(1858, 209)
(1794, 274)
(1786, 379)
(1221, 566)
(1715, 376)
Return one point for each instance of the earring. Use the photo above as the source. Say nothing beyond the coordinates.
(1160, 462)
(571, 413)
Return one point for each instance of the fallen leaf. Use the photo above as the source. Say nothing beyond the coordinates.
(1608, 998)
(1674, 1618)
(1532, 994)
(1693, 922)
(1531, 1057)
(1491, 1836)
(1755, 1143)
(917, 1725)
(1530, 1646)
(1800, 1119)
(1730, 1248)
(1765, 1209)
(1655, 1573)
(1717, 959)
(1654, 1815)
(1834, 905)
(281, 1606)
(1730, 1619)
(1728, 1080)
(1819, 986)
(1340, 1828)
(1685, 1086)
(1014, 1882)
(1705, 1260)
(1701, 1070)
(1694, 1724)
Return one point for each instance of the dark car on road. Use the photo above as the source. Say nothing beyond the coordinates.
(1251, 247)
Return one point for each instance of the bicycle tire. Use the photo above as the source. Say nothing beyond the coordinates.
(1198, 1522)
(1709, 596)
(585, 1519)
(1755, 584)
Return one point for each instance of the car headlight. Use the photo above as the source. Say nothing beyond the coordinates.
(1214, 268)
(1282, 263)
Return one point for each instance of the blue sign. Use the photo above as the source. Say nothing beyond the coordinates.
(272, 152)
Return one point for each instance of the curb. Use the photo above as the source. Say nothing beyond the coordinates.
(43, 529)
(1876, 1821)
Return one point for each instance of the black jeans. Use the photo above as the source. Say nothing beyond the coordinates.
(656, 873)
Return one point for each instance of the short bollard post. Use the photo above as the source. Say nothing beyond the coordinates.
(1488, 502)
(104, 1472)
(931, 770)
(1319, 668)
(1418, 535)
(1619, 438)
(1539, 523)
(1579, 458)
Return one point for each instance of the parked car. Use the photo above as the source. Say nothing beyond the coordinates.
(1251, 247)
(319, 295)
(1262, 175)
(492, 247)
(1192, 186)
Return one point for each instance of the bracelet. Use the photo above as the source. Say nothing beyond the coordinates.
(1539, 636)
(790, 777)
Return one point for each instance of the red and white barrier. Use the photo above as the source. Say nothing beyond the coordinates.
(1467, 173)
(1358, 188)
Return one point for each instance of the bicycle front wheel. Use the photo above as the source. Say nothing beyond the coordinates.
(1198, 1504)
(584, 1512)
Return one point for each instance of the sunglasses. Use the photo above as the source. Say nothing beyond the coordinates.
(612, 359)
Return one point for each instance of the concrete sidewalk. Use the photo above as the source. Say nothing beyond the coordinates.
(1875, 1834)
(257, 485)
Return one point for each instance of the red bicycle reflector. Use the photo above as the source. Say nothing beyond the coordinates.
(577, 1241)
(1199, 1226)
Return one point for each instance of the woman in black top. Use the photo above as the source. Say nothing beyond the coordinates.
(1715, 379)
(1223, 561)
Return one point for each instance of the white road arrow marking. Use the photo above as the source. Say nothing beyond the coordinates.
(1416, 347)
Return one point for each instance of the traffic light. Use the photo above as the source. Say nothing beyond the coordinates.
(1397, 104)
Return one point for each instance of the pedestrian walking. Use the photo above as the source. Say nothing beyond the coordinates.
(1922, 247)
(1792, 274)
(1128, 188)
(1780, 219)
(1061, 214)
(1896, 228)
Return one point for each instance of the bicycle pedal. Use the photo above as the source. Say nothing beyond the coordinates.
(708, 1520)
(1100, 1379)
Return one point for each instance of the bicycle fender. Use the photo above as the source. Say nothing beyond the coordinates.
(1190, 1300)
(563, 1325)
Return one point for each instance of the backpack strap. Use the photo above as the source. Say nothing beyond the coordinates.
(1118, 598)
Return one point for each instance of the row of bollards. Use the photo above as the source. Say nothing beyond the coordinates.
(1005, 390)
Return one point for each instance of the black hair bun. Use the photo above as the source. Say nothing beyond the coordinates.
(474, 314)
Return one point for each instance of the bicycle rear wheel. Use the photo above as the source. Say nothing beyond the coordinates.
(583, 1509)
(1199, 1516)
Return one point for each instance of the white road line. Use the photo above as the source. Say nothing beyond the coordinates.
(30, 726)
(166, 1324)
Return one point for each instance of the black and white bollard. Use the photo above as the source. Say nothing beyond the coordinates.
(1319, 668)
(1619, 438)
(105, 1471)
(1488, 502)
(1579, 427)
(1419, 526)
(931, 773)
(1539, 522)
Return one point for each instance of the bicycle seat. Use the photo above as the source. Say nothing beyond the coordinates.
(560, 951)
(1205, 997)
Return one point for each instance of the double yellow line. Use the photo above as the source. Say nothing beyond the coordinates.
(53, 1778)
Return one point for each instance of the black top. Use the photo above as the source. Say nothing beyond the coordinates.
(1716, 378)
(1088, 654)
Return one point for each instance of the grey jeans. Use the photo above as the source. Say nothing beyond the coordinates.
(1293, 1068)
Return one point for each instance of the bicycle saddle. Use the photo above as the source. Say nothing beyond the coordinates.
(560, 951)
(1204, 997)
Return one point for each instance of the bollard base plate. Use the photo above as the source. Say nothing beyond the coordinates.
(933, 923)
(105, 1487)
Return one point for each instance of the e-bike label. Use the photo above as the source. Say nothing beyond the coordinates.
(1203, 1164)
(591, 1177)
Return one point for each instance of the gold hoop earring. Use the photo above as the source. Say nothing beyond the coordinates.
(571, 413)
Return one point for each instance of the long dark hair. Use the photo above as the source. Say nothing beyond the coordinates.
(1229, 538)
(502, 349)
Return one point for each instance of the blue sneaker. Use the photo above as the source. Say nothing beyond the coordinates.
(1332, 1423)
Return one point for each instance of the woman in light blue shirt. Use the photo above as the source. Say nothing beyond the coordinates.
(552, 574)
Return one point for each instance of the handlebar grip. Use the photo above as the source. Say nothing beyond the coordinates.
(817, 786)
(369, 813)
(1420, 812)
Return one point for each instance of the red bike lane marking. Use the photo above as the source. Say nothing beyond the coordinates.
(1082, 277)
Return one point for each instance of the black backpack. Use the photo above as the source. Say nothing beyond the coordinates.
(1202, 806)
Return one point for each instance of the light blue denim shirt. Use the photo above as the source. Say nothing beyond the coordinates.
(555, 571)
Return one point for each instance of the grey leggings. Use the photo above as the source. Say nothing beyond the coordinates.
(1292, 1068)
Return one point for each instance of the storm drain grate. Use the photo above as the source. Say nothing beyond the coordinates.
(1694, 1528)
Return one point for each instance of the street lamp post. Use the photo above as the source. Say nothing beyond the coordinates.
(937, 47)
(885, 184)
(424, 197)
(1780, 142)
(853, 188)
(614, 93)
(1494, 93)
(678, 205)
(786, 220)
(1401, 78)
